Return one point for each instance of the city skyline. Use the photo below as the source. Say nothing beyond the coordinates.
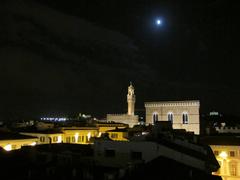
(60, 58)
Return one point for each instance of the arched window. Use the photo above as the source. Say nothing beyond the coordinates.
(155, 117)
(170, 116)
(185, 118)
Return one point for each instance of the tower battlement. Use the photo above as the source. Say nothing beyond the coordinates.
(128, 118)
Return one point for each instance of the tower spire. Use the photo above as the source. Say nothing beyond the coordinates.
(131, 99)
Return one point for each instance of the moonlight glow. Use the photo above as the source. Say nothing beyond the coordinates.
(158, 22)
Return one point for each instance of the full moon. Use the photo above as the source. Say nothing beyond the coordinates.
(158, 22)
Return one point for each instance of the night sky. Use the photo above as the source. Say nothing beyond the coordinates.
(64, 57)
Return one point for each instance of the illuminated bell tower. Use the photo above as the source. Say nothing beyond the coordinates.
(131, 99)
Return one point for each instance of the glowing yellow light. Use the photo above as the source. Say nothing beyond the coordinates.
(76, 137)
(99, 135)
(89, 136)
(8, 147)
(223, 155)
(59, 140)
(33, 144)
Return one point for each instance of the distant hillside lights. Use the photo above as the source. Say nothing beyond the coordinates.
(214, 113)
(62, 119)
(54, 119)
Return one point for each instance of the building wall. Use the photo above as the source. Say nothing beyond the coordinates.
(229, 162)
(123, 152)
(118, 135)
(177, 108)
(79, 136)
(43, 138)
(131, 120)
(13, 144)
(102, 128)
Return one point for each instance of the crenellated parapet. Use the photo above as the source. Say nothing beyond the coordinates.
(172, 103)
(227, 129)
(181, 114)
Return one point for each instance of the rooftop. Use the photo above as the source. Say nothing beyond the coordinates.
(46, 131)
(13, 136)
(118, 130)
(227, 140)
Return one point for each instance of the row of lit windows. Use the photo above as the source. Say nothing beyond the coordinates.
(230, 153)
(170, 118)
(79, 139)
(69, 139)
(54, 139)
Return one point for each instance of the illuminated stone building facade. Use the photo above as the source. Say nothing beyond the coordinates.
(228, 158)
(77, 135)
(182, 114)
(46, 137)
(130, 118)
(226, 149)
(12, 141)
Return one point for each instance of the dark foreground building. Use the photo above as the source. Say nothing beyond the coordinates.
(71, 161)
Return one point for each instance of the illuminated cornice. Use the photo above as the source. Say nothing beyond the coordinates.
(172, 103)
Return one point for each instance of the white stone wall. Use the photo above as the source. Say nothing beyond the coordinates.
(177, 108)
(131, 120)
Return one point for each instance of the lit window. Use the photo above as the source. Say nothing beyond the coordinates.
(155, 118)
(42, 139)
(68, 139)
(55, 139)
(170, 117)
(73, 139)
(114, 135)
(79, 139)
(216, 153)
(185, 118)
(232, 153)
